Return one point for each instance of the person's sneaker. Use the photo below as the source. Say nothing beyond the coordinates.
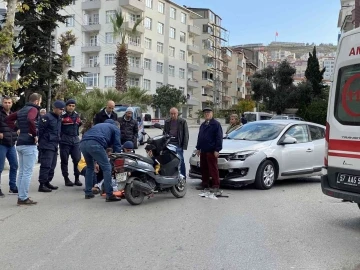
(50, 186)
(78, 183)
(2, 195)
(113, 198)
(13, 191)
(89, 196)
(68, 183)
(26, 202)
(43, 188)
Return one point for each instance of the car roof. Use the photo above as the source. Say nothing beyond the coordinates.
(285, 122)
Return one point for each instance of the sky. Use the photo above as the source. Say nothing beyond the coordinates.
(257, 21)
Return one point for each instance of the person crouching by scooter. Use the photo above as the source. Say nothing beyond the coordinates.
(93, 145)
(149, 151)
(128, 147)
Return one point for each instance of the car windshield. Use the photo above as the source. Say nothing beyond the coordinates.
(257, 131)
(250, 117)
(120, 110)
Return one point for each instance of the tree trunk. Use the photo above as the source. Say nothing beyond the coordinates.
(6, 39)
(121, 68)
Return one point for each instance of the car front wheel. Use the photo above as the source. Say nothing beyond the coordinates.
(265, 175)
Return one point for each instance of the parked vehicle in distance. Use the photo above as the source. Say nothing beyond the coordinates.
(262, 152)
(257, 116)
(286, 116)
(137, 115)
(147, 119)
(341, 177)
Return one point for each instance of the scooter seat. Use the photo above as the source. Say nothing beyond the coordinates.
(137, 156)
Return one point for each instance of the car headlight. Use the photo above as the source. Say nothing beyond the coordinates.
(130, 162)
(242, 155)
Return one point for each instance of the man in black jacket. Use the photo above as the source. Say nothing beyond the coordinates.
(106, 113)
(128, 127)
(177, 128)
(49, 137)
(69, 142)
(8, 139)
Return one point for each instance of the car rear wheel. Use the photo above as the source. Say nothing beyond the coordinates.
(265, 175)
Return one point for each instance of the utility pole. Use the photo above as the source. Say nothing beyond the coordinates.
(50, 70)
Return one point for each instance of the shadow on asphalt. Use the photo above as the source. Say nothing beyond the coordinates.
(352, 224)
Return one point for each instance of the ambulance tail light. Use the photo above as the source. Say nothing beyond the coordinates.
(327, 139)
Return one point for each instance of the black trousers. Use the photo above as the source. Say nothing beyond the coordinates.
(48, 160)
(67, 150)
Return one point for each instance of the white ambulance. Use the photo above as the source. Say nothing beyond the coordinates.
(341, 177)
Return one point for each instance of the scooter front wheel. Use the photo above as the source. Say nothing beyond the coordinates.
(133, 197)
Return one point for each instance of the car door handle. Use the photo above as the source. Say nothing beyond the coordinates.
(309, 150)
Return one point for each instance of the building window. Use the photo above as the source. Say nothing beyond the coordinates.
(159, 67)
(134, 61)
(109, 81)
(148, 43)
(172, 51)
(72, 61)
(149, 3)
(70, 21)
(172, 13)
(182, 73)
(161, 7)
(159, 85)
(160, 47)
(110, 14)
(182, 55)
(148, 23)
(91, 80)
(94, 41)
(171, 86)
(109, 38)
(182, 37)
(182, 89)
(109, 59)
(73, 2)
(93, 61)
(134, 17)
(93, 19)
(134, 81)
(161, 28)
(183, 18)
(147, 85)
(171, 71)
(172, 32)
(147, 64)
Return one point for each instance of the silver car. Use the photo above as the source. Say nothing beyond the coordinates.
(264, 151)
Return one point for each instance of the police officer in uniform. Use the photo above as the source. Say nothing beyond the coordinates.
(49, 137)
(69, 143)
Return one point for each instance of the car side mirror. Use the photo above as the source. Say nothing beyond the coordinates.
(288, 140)
(157, 125)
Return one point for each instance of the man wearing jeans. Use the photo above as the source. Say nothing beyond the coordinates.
(177, 128)
(8, 139)
(26, 119)
(93, 147)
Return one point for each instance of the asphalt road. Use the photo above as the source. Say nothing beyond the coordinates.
(291, 226)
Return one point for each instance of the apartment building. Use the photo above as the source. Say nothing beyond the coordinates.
(161, 53)
(329, 65)
(349, 15)
(207, 83)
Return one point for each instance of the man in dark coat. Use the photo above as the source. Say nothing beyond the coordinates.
(177, 128)
(49, 138)
(208, 146)
(69, 142)
(93, 146)
(129, 127)
(106, 113)
(8, 139)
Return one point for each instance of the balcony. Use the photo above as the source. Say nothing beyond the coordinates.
(239, 94)
(226, 98)
(226, 70)
(226, 57)
(136, 70)
(192, 83)
(134, 48)
(248, 85)
(206, 98)
(208, 83)
(91, 27)
(192, 101)
(91, 68)
(134, 5)
(91, 4)
(194, 30)
(226, 84)
(129, 25)
(193, 66)
(209, 66)
(90, 47)
(193, 49)
(239, 81)
(240, 68)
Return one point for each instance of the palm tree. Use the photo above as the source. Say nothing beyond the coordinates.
(138, 97)
(122, 64)
(89, 104)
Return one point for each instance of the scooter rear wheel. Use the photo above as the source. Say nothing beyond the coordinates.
(180, 189)
(132, 196)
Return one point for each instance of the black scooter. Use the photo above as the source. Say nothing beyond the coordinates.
(137, 177)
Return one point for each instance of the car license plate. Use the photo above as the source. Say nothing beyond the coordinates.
(121, 177)
(349, 180)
